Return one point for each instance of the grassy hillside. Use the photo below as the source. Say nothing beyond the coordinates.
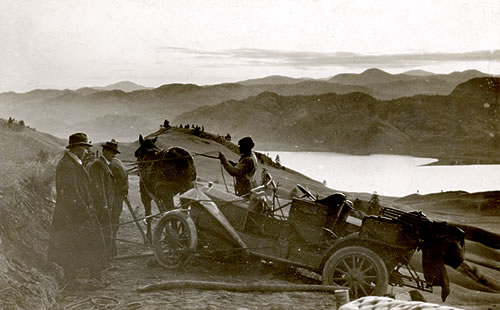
(21, 143)
(27, 167)
(27, 201)
(208, 169)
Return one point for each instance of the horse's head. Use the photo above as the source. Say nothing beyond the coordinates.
(146, 146)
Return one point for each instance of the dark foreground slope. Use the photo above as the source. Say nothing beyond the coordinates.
(27, 169)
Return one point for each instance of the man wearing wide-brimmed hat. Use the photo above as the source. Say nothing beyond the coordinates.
(76, 240)
(103, 190)
(244, 170)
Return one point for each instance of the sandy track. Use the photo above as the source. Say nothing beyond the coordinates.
(126, 275)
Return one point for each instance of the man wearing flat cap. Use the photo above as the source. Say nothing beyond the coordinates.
(244, 170)
(103, 191)
(76, 240)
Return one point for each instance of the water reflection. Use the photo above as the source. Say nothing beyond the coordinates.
(389, 175)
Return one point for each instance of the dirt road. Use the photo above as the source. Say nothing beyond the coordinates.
(126, 275)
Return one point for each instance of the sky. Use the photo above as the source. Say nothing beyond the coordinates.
(76, 43)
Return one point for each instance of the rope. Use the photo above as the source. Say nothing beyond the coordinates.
(223, 178)
(164, 159)
(205, 155)
(135, 164)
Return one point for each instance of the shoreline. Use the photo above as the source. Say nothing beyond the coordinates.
(440, 159)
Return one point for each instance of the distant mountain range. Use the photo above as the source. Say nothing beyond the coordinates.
(383, 85)
(463, 125)
(121, 112)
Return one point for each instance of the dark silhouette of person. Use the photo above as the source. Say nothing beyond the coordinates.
(121, 191)
(76, 240)
(244, 170)
(103, 190)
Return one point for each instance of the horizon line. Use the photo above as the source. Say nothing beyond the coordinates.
(430, 73)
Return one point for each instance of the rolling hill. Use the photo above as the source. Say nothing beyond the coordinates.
(369, 76)
(273, 79)
(391, 86)
(21, 143)
(125, 86)
(62, 112)
(377, 76)
(456, 127)
(418, 73)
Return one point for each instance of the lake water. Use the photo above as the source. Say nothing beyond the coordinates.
(389, 175)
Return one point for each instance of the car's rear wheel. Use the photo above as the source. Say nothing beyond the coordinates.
(359, 268)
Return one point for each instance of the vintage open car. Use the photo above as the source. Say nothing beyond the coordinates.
(319, 235)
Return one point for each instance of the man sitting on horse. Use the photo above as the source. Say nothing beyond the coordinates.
(244, 170)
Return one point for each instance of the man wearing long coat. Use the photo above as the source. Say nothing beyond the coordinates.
(76, 240)
(103, 191)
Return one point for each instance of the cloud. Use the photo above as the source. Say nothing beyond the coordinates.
(308, 59)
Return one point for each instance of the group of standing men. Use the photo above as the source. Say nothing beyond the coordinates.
(88, 207)
(90, 198)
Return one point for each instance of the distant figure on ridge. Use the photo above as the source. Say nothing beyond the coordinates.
(244, 170)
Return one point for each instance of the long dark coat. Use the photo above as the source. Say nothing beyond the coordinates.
(103, 187)
(120, 177)
(76, 239)
(103, 194)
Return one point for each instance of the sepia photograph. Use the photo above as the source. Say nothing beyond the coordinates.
(232, 154)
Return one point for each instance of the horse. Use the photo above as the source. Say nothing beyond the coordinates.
(162, 175)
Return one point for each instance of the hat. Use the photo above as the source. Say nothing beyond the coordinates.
(111, 145)
(246, 142)
(78, 138)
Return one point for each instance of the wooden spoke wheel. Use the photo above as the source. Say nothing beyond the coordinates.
(174, 239)
(358, 268)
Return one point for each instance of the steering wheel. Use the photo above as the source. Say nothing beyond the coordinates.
(306, 192)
